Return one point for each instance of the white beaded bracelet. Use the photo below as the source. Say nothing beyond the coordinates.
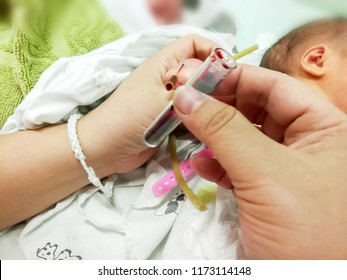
(77, 149)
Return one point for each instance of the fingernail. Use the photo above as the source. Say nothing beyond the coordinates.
(187, 99)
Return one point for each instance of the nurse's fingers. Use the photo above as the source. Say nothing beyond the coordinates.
(182, 72)
(192, 46)
(236, 143)
(211, 170)
(280, 96)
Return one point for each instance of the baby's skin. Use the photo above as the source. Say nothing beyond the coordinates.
(190, 66)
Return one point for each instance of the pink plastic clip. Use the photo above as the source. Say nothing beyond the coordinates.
(165, 184)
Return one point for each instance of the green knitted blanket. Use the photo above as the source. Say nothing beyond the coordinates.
(41, 32)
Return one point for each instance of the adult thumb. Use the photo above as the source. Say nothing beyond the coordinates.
(237, 145)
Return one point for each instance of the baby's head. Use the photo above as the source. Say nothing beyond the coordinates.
(166, 11)
(316, 54)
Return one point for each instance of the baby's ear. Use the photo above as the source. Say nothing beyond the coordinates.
(313, 62)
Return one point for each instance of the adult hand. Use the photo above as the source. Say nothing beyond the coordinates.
(120, 122)
(289, 179)
(111, 137)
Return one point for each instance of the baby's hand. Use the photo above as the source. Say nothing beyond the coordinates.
(183, 71)
(190, 66)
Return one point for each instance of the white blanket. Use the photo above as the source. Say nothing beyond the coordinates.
(82, 80)
(133, 223)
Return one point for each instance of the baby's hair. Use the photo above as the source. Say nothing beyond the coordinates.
(283, 56)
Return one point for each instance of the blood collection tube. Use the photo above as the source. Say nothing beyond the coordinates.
(214, 69)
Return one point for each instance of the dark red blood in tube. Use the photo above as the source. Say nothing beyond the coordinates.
(219, 54)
